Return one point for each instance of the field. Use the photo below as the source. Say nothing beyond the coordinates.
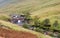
(42, 8)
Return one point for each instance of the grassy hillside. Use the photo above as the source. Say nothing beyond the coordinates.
(42, 8)
(31, 5)
(18, 28)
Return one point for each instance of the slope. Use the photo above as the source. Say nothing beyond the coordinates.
(18, 28)
(17, 6)
(8, 33)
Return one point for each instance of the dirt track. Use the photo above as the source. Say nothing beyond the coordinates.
(4, 33)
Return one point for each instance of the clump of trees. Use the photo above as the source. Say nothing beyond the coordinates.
(37, 24)
(46, 23)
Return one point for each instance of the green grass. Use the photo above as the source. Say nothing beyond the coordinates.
(31, 5)
(18, 28)
(42, 8)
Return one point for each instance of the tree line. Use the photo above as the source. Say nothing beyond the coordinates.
(37, 24)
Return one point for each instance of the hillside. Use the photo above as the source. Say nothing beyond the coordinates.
(18, 28)
(42, 8)
(17, 6)
(12, 34)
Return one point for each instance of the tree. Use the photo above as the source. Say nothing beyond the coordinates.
(27, 14)
(46, 23)
(56, 23)
(37, 22)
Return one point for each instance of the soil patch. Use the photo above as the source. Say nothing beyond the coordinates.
(5, 33)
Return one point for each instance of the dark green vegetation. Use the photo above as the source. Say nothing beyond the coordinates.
(42, 26)
(46, 23)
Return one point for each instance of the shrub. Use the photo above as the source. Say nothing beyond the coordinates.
(4, 18)
(46, 23)
(37, 22)
(55, 23)
(26, 26)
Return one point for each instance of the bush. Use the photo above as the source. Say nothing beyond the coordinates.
(4, 18)
(46, 23)
(55, 23)
(37, 22)
(37, 29)
(26, 26)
